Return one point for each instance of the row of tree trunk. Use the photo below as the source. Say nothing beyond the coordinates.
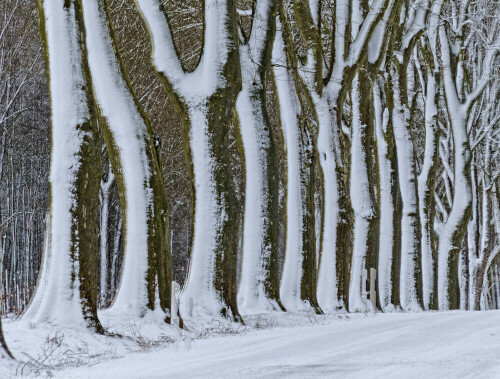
(388, 122)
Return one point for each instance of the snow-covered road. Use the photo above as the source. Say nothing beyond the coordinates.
(423, 345)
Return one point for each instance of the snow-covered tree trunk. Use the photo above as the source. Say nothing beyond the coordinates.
(307, 18)
(362, 185)
(259, 286)
(206, 98)
(66, 293)
(389, 203)
(426, 193)
(411, 23)
(479, 264)
(147, 266)
(450, 239)
(298, 283)
(410, 279)
(459, 103)
(3, 345)
(493, 294)
(427, 176)
(328, 292)
(490, 291)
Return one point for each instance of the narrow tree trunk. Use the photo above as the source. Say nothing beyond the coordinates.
(389, 200)
(362, 191)
(147, 267)
(309, 166)
(479, 264)
(410, 276)
(426, 192)
(451, 237)
(345, 216)
(259, 287)
(298, 284)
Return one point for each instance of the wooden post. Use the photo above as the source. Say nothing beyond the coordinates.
(174, 307)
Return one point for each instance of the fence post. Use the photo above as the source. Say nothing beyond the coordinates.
(174, 306)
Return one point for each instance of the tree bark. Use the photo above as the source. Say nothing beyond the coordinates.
(67, 288)
(147, 267)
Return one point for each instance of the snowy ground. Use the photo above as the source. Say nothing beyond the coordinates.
(398, 345)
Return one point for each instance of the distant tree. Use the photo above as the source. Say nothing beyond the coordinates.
(469, 26)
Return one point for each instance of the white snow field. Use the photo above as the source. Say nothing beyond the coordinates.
(397, 345)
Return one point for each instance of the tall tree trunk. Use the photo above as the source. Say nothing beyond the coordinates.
(298, 285)
(479, 263)
(206, 98)
(67, 287)
(410, 276)
(328, 281)
(426, 193)
(147, 267)
(259, 287)
(451, 237)
(362, 192)
(389, 203)
(354, 27)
